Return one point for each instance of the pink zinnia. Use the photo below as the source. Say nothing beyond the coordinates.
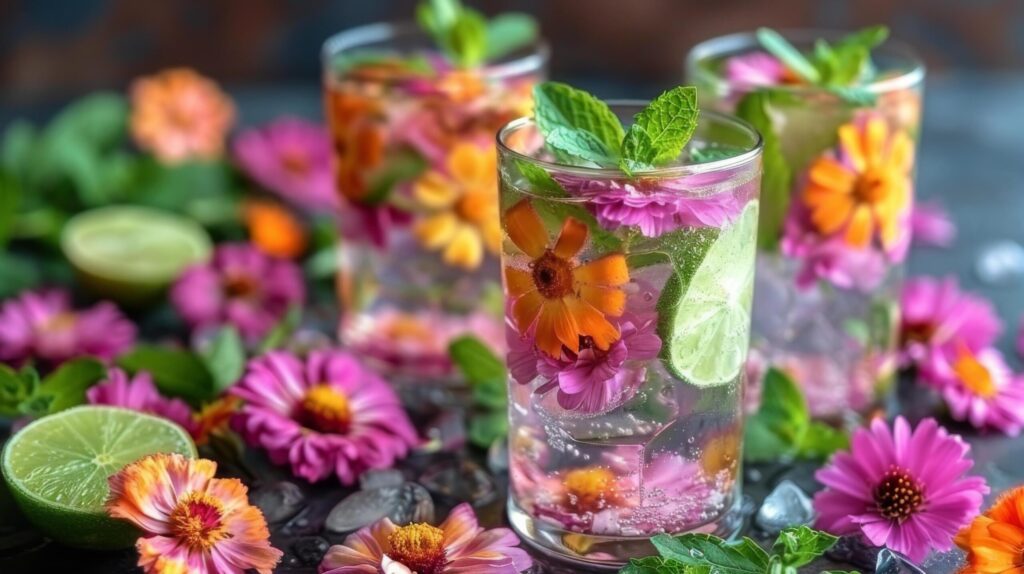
(903, 489)
(980, 388)
(327, 415)
(457, 546)
(936, 314)
(240, 286)
(139, 394)
(931, 225)
(754, 70)
(292, 158)
(42, 325)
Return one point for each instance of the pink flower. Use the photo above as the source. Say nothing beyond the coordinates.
(139, 394)
(292, 158)
(42, 326)
(326, 415)
(902, 489)
(980, 388)
(753, 70)
(931, 225)
(458, 546)
(655, 206)
(936, 314)
(241, 286)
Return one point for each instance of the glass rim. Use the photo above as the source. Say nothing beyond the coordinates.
(719, 45)
(351, 38)
(749, 154)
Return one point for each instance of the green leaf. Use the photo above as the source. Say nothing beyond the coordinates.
(660, 565)
(176, 187)
(176, 372)
(541, 182)
(401, 167)
(279, 335)
(554, 214)
(868, 38)
(562, 110)
(821, 440)
(661, 130)
(10, 197)
(800, 545)
(99, 119)
(777, 175)
(476, 360)
(16, 151)
(781, 422)
(15, 388)
(65, 387)
(776, 45)
(460, 32)
(741, 557)
(508, 32)
(224, 358)
(486, 428)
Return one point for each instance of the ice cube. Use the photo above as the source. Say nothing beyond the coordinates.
(890, 562)
(1001, 263)
(787, 505)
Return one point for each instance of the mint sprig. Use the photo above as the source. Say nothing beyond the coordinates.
(487, 378)
(578, 126)
(467, 38)
(705, 553)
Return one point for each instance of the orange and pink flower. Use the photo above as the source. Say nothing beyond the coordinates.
(191, 521)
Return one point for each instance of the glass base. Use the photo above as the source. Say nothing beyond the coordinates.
(604, 553)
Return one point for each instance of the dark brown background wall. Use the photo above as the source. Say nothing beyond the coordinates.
(55, 49)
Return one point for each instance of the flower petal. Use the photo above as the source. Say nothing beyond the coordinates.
(525, 229)
(571, 239)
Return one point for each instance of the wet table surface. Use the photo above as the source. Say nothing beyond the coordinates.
(970, 158)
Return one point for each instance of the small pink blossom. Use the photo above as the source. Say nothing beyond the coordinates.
(980, 388)
(754, 70)
(138, 393)
(931, 225)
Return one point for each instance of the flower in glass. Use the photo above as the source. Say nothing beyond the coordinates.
(292, 158)
(462, 207)
(555, 295)
(325, 415)
(931, 225)
(754, 70)
(240, 286)
(138, 393)
(994, 541)
(359, 142)
(458, 545)
(191, 521)
(43, 326)
(980, 388)
(903, 488)
(273, 228)
(179, 115)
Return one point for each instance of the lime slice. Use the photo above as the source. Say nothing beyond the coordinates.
(132, 253)
(57, 467)
(704, 319)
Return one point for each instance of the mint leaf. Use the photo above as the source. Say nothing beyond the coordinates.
(508, 32)
(742, 557)
(777, 175)
(541, 182)
(405, 165)
(661, 130)
(780, 423)
(488, 427)
(867, 38)
(15, 389)
(460, 32)
(659, 565)
(776, 45)
(476, 361)
(225, 358)
(821, 440)
(176, 372)
(800, 545)
(577, 123)
(65, 387)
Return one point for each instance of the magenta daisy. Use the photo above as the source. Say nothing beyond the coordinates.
(42, 326)
(931, 225)
(138, 393)
(980, 388)
(937, 314)
(240, 286)
(326, 415)
(902, 489)
(457, 546)
(292, 158)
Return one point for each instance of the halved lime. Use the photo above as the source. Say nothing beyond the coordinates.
(704, 322)
(57, 468)
(131, 253)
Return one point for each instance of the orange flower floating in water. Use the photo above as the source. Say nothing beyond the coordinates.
(359, 140)
(192, 522)
(866, 191)
(566, 298)
(994, 542)
(180, 115)
(463, 204)
(273, 229)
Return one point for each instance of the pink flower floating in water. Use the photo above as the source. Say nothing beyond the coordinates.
(292, 158)
(931, 225)
(240, 286)
(138, 393)
(753, 70)
(457, 546)
(191, 521)
(980, 388)
(903, 489)
(327, 415)
(42, 325)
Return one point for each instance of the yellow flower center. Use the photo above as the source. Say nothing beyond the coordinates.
(974, 375)
(873, 186)
(898, 495)
(325, 409)
(197, 521)
(553, 276)
(589, 489)
(419, 547)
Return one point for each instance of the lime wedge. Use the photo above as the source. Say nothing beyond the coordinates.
(132, 253)
(704, 319)
(57, 467)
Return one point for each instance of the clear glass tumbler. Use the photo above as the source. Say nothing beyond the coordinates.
(628, 319)
(415, 167)
(835, 220)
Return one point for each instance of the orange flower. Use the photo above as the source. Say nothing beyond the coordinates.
(213, 418)
(274, 229)
(567, 299)
(867, 195)
(463, 205)
(994, 542)
(180, 115)
(359, 140)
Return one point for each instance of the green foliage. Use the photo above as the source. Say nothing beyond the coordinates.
(661, 130)
(487, 378)
(22, 393)
(541, 182)
(282, 331)
(224, 358)
(467, 38)
(577, 124)
(777, 174)
(176, 372)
